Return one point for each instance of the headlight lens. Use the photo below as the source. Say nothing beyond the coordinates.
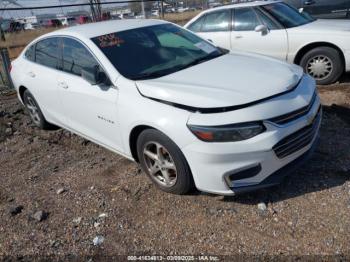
(227, 133)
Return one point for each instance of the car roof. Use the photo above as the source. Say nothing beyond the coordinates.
(105, 27)
(247, 4)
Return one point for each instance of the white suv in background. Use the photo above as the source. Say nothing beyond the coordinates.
(187, 111)
(273, 28)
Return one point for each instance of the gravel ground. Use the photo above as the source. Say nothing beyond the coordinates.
(64, 196)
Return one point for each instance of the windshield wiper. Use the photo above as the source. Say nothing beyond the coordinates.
(150, 75)
(164, 72)
(201, 60)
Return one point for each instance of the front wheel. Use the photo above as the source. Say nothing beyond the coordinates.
(162, 160)
(324, 64)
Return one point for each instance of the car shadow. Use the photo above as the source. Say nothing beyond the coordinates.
(345, 78)
(327, 168)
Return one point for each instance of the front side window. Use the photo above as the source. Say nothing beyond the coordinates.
(77, 58)
(217, 21)
(154, 51)
(245, 19)
(288, 16)
(29, 54)
(47, 52)
(266, 20)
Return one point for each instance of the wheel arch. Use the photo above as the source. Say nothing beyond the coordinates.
(134, 134)
(314, 45)
(21, 90)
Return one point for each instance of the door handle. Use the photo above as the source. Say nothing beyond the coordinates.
(63, 85)
(31, 74)
(238, 36)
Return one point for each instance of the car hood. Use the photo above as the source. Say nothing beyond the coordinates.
(334, 26)
(230, 80)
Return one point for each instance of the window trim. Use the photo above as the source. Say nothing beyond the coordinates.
(89, 50)
(230, 10)
(60, 38)
(42, 39)
(234, 20)
(200, 28)
(25, 51)
(277, 23)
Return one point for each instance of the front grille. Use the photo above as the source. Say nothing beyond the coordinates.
(297, 140)
(284, 119)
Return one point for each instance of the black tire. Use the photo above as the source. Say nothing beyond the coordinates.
(184, 181)
(334, 60)
(38, 119)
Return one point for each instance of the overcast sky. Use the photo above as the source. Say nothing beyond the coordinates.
(29, 3)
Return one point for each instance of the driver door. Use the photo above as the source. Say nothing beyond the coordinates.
(272, 42)
(90, 109)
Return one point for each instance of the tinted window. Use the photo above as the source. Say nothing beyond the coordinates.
(197, 25)
(286, 15)
(154, 51)
(29, 54)
(47, 52)
(76, 57)
(245, 19)
(267, 20)
(217, 21)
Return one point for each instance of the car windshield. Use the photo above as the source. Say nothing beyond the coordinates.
(288, 16)
(155, 51)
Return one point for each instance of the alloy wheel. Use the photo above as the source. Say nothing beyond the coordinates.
(33, 110)
(160, 164)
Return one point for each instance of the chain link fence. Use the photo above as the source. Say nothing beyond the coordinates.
(23, 24)
(6, 85)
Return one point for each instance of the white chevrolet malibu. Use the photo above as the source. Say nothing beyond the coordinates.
(191, 114)
(273, 28)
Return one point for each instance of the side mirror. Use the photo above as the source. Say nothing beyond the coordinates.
(262, 29)
(94, 76)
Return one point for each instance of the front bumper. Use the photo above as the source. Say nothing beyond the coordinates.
(212, 163)
(277, 177)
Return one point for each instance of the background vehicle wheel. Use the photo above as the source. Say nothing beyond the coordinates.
(163, 162)
(324, 64)
(35, 113)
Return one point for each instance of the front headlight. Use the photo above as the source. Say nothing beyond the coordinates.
(227, 133)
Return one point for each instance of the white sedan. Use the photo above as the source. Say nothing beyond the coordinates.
(190, 113)
(321, 47)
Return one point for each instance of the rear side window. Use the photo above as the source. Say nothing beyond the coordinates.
(196, 26)
(29, 54)
(77, 58)
(217, 21)
(47, 52)
(245, 19)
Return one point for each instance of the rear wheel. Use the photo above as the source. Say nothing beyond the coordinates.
(35, 112)
(163, 162)
(324, 64)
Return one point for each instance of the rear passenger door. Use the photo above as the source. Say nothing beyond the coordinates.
(41, 76)
(273, 42)
(215, 27)
(327, 9)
